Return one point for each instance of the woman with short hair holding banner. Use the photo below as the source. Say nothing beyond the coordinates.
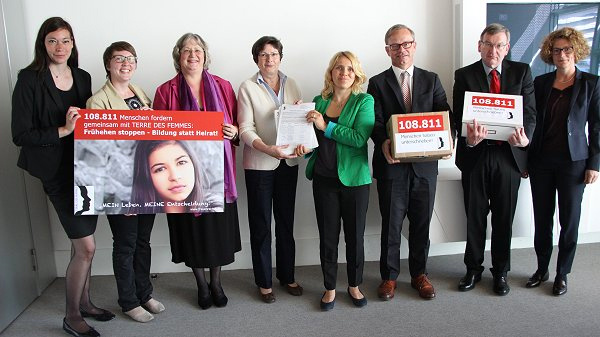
(131, 233)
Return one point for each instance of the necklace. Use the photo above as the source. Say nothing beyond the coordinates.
(59, 74)
(567, 80)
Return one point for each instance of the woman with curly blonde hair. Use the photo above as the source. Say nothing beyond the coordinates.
(561, 157)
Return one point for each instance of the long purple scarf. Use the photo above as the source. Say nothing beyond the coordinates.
(213, 101)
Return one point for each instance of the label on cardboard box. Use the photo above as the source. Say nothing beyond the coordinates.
(500, 114)
(420, 136)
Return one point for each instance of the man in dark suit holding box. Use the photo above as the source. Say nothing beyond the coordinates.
(492, 170)
(405, 189)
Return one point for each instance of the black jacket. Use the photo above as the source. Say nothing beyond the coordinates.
(584, 110)
(37, 113)
(515, 79)
(428, 95)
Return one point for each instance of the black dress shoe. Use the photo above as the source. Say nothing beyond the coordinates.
(468, 281)
(219, 298)
(326, 306)
(103, 316)
(560, 285)
(294, 291)
(500, 285)
(536, 279)
(91, 332)
(204, 300)
(358, 302)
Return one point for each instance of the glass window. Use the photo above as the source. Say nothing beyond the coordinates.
(530, 23)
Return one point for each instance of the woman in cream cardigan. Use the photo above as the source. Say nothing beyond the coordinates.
(271, 174)
(131, 233)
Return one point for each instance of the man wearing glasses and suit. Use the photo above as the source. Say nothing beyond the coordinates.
(405, 189)
(492, 170)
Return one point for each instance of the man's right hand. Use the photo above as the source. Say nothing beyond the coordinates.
(475, 133)
(387, 152)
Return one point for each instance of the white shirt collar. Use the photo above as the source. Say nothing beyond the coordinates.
(488, 69)
(398, 71)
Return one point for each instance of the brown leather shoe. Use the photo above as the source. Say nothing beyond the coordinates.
(386, 289)
(268, 297)
(425, 288)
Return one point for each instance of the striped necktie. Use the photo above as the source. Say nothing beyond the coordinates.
(405, 77)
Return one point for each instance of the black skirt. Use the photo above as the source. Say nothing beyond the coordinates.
(208, 240)
(61, 193)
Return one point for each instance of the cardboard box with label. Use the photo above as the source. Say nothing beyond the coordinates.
(500, 114)
(424, 136)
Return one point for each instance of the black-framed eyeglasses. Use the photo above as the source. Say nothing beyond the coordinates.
(404, 45)
(120, 58)
(568, 50)
(489, 45)
(264, 55)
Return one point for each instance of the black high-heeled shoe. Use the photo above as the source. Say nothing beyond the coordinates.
(218, 297)
(90, 333)
(205, 301)
(104, 316)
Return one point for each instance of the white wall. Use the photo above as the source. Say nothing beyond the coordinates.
(311, 32)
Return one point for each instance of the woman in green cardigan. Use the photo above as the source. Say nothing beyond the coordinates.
(339, 167)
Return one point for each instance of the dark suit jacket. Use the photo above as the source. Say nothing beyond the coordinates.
(514, 80)
(427, 95)
(37, 112)
(585, 109)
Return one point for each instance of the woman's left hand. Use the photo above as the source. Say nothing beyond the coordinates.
(230, 131)
(590, 176)
(301, 150)
(317, 119)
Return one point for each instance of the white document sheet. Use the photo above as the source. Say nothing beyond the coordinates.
(293, 129)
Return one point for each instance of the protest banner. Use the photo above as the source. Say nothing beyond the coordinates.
(148, 161)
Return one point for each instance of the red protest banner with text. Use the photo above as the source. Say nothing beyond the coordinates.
(148, 124)
(148, 162)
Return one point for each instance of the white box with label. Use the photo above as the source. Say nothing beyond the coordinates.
(500, 114)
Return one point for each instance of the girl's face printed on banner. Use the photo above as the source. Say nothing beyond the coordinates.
(172, 171)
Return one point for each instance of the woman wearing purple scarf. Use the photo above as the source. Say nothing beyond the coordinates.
(209, 240)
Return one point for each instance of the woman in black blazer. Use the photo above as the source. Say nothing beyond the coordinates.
(50, 86)
(561, 157)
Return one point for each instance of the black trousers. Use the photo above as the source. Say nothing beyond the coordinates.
(272, 190)
(492, 185)
(412, 196)
(335, 202)
(131, 258)
(550, 175)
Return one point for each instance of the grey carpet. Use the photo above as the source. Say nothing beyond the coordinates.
(523, 312)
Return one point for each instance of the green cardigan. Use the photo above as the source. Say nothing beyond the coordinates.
(351, 133)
